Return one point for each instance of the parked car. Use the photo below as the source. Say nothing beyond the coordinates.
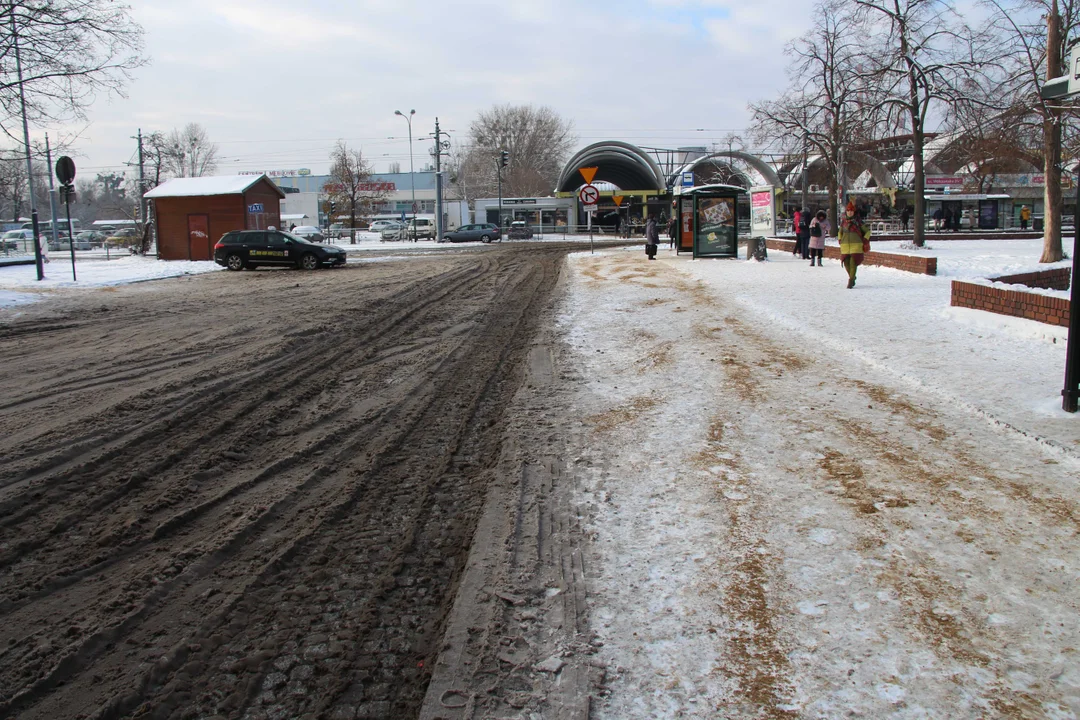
(14, 238)
(250, 248)
(124, 236)
(309, 232)
(393, 231)
(520, 230)
(92, 238)
(421, 228)
(484, 232)
(379, 225)
(337, 230)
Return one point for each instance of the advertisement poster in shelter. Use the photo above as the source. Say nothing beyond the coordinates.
(715, 227)
(686, 225)
(762, 215)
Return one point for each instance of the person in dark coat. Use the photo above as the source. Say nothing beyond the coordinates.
(673, 231)
(652, 238)
(905, 215)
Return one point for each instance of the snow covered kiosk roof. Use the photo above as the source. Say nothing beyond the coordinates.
(212, 185)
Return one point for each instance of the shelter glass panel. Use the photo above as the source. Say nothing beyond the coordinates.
(716, 234)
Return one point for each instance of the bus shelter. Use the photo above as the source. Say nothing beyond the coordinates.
(709, 220)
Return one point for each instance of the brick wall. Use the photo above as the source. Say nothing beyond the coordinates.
(910, 263)
(1056, 279)
(1017, 303)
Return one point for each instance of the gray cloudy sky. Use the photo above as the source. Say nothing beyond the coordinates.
(275, 83)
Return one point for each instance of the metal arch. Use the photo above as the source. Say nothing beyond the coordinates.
(630, 164)
(753, 161)
(877, 169)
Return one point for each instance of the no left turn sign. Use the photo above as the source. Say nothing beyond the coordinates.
(589, 195)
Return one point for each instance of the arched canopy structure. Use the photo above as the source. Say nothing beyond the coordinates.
(767, 172)
(621, 164)
(881, 175)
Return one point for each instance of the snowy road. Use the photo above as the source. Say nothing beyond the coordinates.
(785, 529)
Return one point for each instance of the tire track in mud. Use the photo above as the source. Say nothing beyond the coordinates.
(197, 404)
(218, 573)
(127, 488)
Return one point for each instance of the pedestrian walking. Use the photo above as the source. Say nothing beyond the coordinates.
(854, 239)
(819, 230)
(652, 238)
(1025, 215)
(673, 231)
(939, 215)
(905, 216)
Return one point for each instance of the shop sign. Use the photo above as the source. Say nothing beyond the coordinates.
(377, 187)
(277, 173)
(943, 180)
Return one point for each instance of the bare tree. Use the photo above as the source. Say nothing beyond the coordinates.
(395, 167)
(12, 186)
(350, 185)
(189, 152)
(822, 110)
(920, 52)
(1038, 32)
(538, 140)
(70, 52)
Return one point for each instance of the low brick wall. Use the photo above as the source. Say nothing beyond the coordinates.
(909, 263)
(1056, 279)
(1017, 303)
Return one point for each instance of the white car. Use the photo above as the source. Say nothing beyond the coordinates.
(379, 225)
(393, 231)
(309, 233)
(14, 238)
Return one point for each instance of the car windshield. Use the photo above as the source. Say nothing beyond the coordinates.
(13, 234)
(296, 238)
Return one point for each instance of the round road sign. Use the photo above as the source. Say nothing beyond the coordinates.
(65, 170)
(589, 195)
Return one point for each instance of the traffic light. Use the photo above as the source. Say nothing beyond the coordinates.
(504, 158)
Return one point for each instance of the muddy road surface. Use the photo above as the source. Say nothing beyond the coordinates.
(252, 494)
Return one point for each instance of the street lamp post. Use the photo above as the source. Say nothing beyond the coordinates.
(412, 173)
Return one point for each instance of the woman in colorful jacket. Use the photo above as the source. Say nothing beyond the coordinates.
(854, 237)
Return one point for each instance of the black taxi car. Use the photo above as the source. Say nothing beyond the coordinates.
(250, 248)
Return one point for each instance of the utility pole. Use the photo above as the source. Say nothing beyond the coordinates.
(52, 194)
(439, 228)
(142, 184)
(29, 164)
(142, 201)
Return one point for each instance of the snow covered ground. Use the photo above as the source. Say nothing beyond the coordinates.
(809, 501)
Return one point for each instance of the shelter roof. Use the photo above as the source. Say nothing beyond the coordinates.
(212, 185)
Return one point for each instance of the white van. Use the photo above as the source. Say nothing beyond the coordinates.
(421, 228)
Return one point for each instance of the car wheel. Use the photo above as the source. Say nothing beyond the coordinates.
(234, 262)
(485, 238)
(309, 262)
